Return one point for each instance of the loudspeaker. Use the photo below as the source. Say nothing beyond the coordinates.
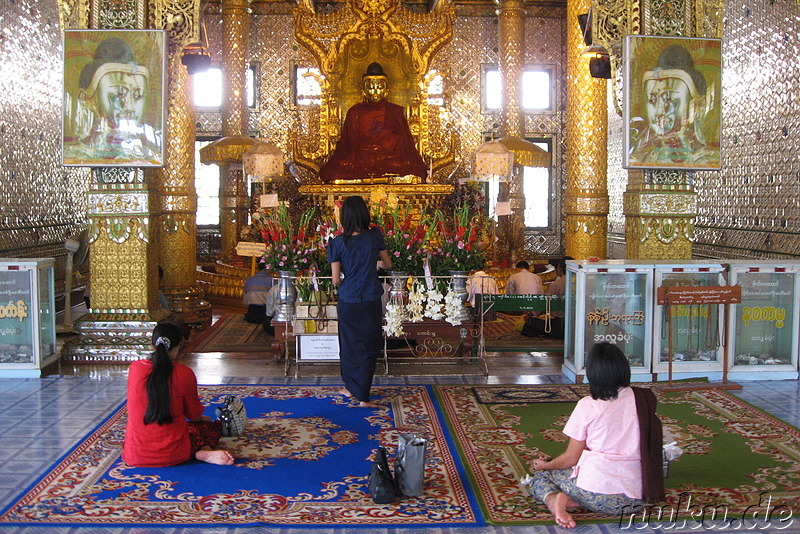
(600, 67)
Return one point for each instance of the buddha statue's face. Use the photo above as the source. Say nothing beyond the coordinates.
(376, 88)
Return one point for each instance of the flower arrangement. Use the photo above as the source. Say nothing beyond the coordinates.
(456, 242)
(405, 237)
(287, 248)
(422, 303)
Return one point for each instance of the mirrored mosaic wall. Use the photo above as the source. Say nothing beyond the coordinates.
(750, 208)
(42, 202)
(275, 53)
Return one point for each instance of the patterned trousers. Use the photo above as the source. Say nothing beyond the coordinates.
(546, 482)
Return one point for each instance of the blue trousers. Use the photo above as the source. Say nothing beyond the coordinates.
(360, 343)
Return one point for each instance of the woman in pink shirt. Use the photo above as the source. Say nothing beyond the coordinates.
(601, 469)
(166, 425)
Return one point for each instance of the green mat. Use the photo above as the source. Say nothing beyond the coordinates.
(735, 456)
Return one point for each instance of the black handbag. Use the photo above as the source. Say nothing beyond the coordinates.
(381, 484)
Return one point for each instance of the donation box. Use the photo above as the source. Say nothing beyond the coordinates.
(27, 317)
(611, 301)
(763, 328)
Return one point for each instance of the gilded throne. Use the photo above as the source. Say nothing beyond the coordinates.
(342, 44)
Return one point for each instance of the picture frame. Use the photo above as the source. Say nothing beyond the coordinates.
(672, 102)
(114, 105)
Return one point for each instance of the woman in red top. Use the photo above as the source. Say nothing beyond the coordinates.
(166, 425)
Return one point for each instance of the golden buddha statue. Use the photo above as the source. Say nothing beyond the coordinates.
(376, 140)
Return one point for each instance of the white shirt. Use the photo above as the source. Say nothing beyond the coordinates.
(480, 283)
(524, 283)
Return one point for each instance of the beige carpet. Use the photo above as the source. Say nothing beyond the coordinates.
(232, 334)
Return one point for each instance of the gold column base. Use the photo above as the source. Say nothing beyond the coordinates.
(112, 337)
(189, 307)
(586, 236)
(659, 224)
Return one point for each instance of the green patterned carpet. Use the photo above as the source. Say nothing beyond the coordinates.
(735, 456)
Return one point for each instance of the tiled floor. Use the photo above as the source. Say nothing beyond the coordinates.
(40, 419)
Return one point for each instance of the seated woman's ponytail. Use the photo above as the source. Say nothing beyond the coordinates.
(166, 336)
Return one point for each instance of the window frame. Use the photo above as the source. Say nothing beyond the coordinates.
(295, 67)
(532, 67)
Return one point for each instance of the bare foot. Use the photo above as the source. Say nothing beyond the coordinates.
(344, 392)
(367, 404)
(214, 457)
(558, 503)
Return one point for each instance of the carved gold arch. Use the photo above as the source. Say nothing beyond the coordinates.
(342, 43)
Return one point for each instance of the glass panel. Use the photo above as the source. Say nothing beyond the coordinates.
(764, 319)
(307, 86)
(47, 334)
(493, 89)
(207, 88)
(695, 328)
(536, 187)
(206, 183)
(16, 332)
(536, 89)
(571, 301)
(615, 312)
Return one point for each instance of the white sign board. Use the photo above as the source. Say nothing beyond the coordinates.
(247, 248)
(269, 201)
(318, 347)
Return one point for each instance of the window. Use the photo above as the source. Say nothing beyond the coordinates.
(207, 87)
(535, 188)
(206, 183)
(307, 91)
(536, 89)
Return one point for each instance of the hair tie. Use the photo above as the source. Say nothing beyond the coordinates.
(163, 341)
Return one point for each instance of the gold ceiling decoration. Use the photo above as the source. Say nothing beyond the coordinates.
(526, 153)
(226, 150)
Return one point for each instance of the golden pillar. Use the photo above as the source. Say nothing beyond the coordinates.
(586, 198)
(233, 197)
(511, 15)
(177, 204)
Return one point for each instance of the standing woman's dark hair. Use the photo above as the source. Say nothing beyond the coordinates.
(354, 216)
(166, 336)
(608, 370)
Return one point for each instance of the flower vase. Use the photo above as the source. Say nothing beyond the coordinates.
(458, 285)
(398, 288)
(287, 294)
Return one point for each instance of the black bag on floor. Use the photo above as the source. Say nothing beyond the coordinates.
(537, 327)
(381, 483)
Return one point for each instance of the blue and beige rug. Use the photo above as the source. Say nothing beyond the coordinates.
(303, 461)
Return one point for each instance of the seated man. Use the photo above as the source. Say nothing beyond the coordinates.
(480, 283)
(256, 295)
(524, 282)
(376, 140)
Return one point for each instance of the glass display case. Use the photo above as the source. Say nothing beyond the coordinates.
(697, 329)
(610, 300)
(762, 332)
(27, 317)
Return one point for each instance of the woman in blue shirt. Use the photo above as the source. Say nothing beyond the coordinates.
(355, 257)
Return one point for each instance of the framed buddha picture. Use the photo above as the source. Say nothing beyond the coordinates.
(672, 102)
(114, 98)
